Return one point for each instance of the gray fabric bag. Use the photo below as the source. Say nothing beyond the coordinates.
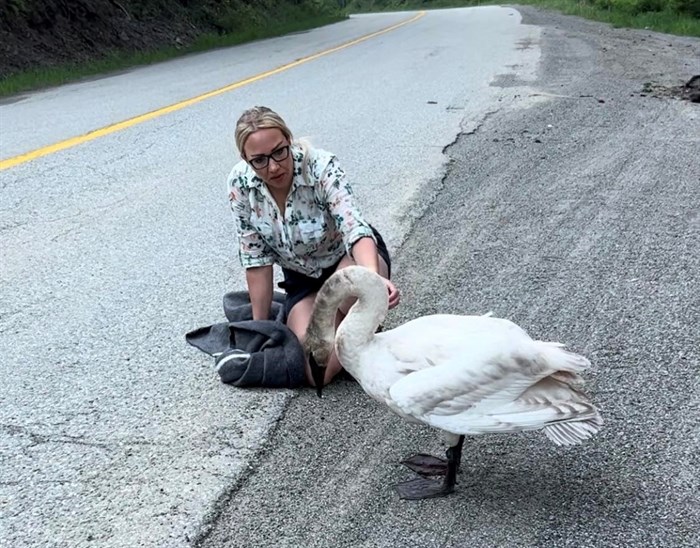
(251, 352)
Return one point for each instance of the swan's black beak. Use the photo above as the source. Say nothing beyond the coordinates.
(318, 373)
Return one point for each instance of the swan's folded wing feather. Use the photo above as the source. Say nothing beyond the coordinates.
(454, 387)
(548, 402)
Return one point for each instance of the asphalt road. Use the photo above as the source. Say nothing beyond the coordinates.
(572, 209)
(113, 432)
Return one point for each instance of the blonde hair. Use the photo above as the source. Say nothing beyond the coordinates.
(259, 117)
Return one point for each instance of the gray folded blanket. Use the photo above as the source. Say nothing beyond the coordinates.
(251, 352)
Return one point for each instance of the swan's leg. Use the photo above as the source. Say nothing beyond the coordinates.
(423, 488)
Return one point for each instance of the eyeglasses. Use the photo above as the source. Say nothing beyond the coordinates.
(261, 161)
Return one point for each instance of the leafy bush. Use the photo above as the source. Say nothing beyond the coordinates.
(691, 7)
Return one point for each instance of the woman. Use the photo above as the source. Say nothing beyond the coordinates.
(293, 207)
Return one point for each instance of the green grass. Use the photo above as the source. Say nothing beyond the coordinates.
(116, 61)
(619, 13)
(667, 21)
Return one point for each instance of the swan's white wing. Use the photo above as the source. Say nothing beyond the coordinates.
(470, 384)
(507, 396)
(445, 364)
(441, 337)
(467, 374)
(424, 343)
(417, 345)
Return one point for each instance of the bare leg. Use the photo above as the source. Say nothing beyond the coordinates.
(298, 322)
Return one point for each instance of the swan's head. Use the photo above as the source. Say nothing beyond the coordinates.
(318, 373)
(318, 346)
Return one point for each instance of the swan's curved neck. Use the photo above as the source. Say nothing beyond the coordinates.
(359, 326)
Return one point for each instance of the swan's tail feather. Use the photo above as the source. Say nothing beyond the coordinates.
(573, 418)
(574, 432)
(559, 358)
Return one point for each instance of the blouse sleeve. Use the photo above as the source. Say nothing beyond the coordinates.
(339, 199)
(252, 249)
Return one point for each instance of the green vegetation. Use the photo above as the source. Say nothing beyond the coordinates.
(680, 17)
(225, 23)
(119, 60)
(228, 22)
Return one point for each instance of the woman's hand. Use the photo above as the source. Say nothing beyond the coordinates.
(364, 253)
(394, 296)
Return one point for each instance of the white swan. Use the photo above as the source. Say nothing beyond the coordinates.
(463, 375)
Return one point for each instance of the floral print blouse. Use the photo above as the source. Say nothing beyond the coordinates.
(320, 225)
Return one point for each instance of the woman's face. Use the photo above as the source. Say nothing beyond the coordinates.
(261, 150)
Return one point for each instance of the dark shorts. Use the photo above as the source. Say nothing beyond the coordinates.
(299, 286)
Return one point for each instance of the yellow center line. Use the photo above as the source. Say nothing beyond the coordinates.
(74, 141)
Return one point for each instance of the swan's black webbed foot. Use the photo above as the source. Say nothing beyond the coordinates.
(426, 465)
(423, 488)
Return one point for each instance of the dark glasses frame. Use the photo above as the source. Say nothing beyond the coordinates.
(261, 161)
